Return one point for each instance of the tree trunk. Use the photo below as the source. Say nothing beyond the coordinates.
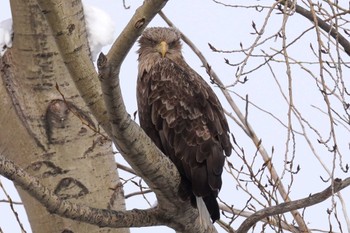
(48, 131)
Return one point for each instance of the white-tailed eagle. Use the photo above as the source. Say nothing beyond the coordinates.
(182, 115)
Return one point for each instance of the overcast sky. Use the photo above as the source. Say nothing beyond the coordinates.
(204, 21)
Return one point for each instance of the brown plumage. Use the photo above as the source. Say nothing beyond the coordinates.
(182, 115)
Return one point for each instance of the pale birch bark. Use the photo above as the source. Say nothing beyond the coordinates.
(58, 148)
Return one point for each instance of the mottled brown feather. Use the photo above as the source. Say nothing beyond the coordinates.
(182, 115)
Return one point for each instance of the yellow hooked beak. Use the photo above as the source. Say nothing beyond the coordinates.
(163, 48)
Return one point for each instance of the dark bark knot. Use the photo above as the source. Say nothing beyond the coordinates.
(140, 23)
(70, 28)
(70, 188)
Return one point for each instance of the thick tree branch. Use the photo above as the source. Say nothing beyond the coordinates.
(74, 49)
(55, 205)
(293, 205)
(140, 151)
(133, 30)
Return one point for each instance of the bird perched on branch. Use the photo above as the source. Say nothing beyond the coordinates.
(182, 115)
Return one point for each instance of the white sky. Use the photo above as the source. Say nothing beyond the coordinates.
(224, 27)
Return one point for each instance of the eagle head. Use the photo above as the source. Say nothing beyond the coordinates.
(157, 43)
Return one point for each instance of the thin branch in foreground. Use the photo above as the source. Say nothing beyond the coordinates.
(12, 207)
(293, 205)
(138, 193)
(270, 221)
(13, 202)
(125, 168)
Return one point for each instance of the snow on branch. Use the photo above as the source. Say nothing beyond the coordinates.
(99, 25)
(6, 34)
(100, 29)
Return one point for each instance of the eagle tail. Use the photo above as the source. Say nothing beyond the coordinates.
(212, 206)
(204, 216)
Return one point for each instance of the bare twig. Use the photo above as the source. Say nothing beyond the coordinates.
(138, 193)
(12, 207)
(13, 202)
(125, 168)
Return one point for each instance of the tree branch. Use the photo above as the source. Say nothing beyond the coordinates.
(293, 205)
(322, 24)
(133, 30)
(125, 168)
(271, 221)
(142, 155)
(55, 205)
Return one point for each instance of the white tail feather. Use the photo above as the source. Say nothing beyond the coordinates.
(204, 216)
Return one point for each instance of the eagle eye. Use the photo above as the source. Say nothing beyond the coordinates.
(172, 44)
(151, 42)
